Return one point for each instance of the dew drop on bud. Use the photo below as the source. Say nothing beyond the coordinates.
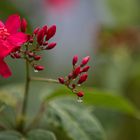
(79, 100)
(35, 70)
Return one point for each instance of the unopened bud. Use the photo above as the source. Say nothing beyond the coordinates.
(82, 78)
(75, 60)
(38, 67)
(36, 30)
(23, 25)
(76, 72)
(45, 43)
(30, 54)
(80, 94)
(40, 37)
(51, 32)
(17, 55)
(51, 46)
(85, 69)
(85, 61)
(37, 57)
(70, 75)
(61, 80)
(45, 29)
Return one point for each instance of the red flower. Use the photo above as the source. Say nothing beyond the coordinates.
(10, 39)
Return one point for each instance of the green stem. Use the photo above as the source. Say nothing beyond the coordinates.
(44, 80)
(25, 100)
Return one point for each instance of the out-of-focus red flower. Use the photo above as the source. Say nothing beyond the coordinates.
(60, 4)
(10, 39)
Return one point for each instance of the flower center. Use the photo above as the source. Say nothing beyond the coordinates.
(3, 33)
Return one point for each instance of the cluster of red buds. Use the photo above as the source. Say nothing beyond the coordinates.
(77, 77)
(37, 42)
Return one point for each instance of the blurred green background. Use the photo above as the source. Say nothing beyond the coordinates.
(108, 31)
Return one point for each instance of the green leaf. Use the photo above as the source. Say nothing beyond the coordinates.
(7, 8)
(75, 119)
(7, 117)
(103, 99)
(39, 134)
(10, 135)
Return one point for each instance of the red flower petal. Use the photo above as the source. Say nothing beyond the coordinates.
(17, 39)
(13, 23)
(5, 48)
(1, 24)
(4, 69)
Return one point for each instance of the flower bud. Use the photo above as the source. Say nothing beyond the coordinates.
(37, 57)
(85, 61)
(75, 60)
(36, 30)
(45, 29)
(45, 43)
(76, 72)
(85, 69)
(23, 25)
(51, 46)
(12, 56)
(38, 67)
(51, 32)
(30, 54)
(17, 55)
(70, 75)
(61, 80)
(82, 78)
(80, 94)
(40, 37)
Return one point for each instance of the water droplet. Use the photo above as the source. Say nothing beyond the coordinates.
(35, 70)
(78, 85)
(79, 100)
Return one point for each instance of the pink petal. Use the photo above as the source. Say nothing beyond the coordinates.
(1, 24)
(5, 48)
(17, 39)
(13, 23)
(4, 69)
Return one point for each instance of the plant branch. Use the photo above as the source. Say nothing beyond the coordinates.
(44, 80)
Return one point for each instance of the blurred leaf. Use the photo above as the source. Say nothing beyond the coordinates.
(39, 134)
(104, 99)
(7, 8)
(75, 119)
(7, 117)
(10, 135)
(126, 12)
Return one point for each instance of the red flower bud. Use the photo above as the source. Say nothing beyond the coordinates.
(85, 69)
(31, 40)
(61, 80)
(17, 55)
(23, 25)
(30, 54)
(76, 72)
(75, 60)
(70, 75)
(36, 30)
(80, 94)
(85, 61)
(82, 78)
(40, 36)
(37, 57)
(45, 43)
(51, 46)
(51, 32)
(12, 55)
(45, 29)
(73, 86)
(39, 68)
